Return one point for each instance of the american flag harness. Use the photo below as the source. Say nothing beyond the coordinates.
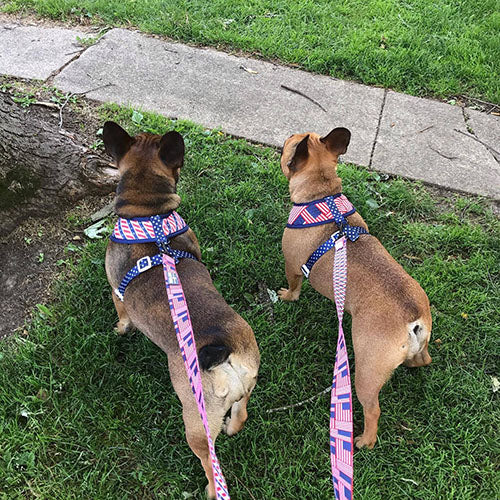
(336, 209)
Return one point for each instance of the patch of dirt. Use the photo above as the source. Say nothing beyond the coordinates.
(82, 23)
(33, 255)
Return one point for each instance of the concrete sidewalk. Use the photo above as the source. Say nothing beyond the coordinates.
(449, 146)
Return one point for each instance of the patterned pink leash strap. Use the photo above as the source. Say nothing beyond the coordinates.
(341, 431)
(185, 337)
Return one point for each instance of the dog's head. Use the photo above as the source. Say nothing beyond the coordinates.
(309, 161)
(149, 167)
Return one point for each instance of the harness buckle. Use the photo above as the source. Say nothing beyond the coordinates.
(305, 270)
(119, 294)
(144, 264)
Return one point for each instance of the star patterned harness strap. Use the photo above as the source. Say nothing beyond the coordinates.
(160, 229)
(326, 210)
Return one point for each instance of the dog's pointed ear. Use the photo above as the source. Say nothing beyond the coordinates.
(116, 141)
(337, 140)
(299, 155)
(172, 149)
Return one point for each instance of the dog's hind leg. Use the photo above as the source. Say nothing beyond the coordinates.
(375, 360)
(197, 439)
(239, 415)
(124, 324)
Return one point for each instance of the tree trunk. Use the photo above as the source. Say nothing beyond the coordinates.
(44, 169)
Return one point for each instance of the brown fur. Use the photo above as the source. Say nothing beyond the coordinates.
(149, 167)
(391, 318)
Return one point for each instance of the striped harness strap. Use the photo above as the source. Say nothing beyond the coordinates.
(326, 210)
(160, 229)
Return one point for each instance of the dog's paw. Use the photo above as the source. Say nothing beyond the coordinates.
(123, 327)
(210, 492)
(227, 428)
(288, 296)
(365, 442)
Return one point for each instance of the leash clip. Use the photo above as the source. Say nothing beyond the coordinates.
(340, 243)
(164, 246)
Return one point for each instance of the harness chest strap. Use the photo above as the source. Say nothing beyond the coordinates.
(160, 229)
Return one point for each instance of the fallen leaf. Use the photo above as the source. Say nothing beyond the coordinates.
(438, 341)
(496, 383)
(94, 231)
(77, 238)
(272, 295)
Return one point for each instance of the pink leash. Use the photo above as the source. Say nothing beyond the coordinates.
(341, 431)
(184, 331)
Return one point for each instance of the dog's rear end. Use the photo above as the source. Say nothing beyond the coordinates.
(227, 351)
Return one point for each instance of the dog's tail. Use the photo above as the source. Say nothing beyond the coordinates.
(212, 355)
(418, 336)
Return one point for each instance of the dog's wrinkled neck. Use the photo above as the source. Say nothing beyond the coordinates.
(313, 184)
(142, 194)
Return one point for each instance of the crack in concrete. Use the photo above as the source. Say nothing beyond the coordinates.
(473, 135)
(78, 53)
(466, 118)
(442, 154)
(492, 151)
(378, 127)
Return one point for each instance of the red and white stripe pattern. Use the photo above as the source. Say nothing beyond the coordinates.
(138, 229)
(317, 211)
(341, 428)
(185, 337)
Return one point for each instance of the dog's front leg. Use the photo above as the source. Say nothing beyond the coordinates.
(294, 285)
(124, 324)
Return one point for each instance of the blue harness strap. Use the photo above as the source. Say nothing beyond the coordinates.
(351, 232)
(161, 238)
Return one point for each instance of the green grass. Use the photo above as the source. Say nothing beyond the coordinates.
(85, 413)
(421, 47)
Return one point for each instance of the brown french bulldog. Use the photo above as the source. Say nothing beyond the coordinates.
(391, 318)
(149, 168)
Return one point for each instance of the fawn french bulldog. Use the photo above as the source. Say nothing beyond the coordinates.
(391, 317)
